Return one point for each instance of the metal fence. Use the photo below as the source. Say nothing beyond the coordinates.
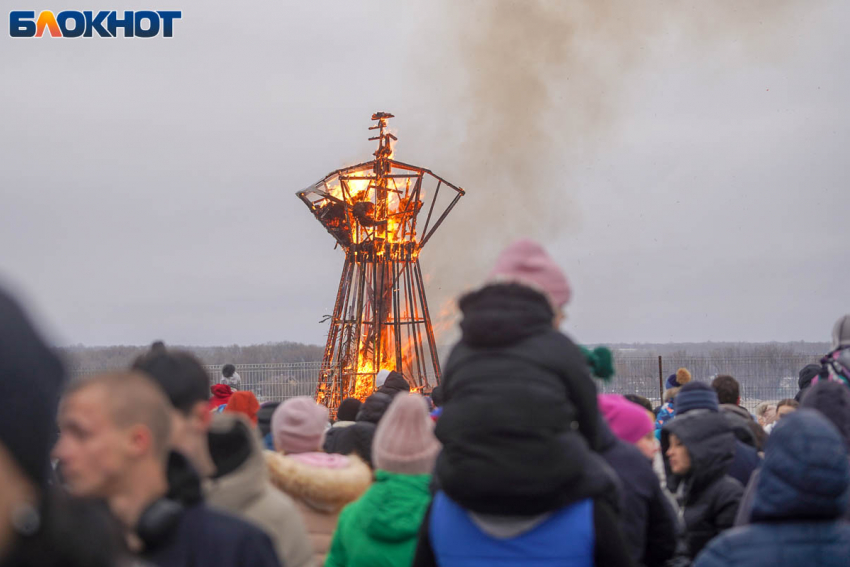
(275, 381)
(761, 377)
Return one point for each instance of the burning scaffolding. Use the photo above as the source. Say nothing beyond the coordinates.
(380, 318)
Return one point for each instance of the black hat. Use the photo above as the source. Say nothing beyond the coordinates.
(348, 409)
(807, 374)
(31, 381)
(264, 417)
(179, 373)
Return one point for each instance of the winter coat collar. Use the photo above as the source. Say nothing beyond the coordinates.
(502, 314)
(241, 469)
(184, 484)
(324, 489)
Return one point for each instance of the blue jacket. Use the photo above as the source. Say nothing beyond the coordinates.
(665, 414)
(458, 542)
(802, 492)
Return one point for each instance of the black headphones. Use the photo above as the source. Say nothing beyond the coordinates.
(159, 521)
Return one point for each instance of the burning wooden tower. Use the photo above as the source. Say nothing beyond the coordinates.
(381, 318)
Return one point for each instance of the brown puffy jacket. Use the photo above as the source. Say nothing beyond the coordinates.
(321, 485)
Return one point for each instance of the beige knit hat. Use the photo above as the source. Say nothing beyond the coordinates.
(404, 441)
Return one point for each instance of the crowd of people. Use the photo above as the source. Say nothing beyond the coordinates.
(514, 459)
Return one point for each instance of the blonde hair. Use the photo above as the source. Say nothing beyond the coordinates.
(671, 393)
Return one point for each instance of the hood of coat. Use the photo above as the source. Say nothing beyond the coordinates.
(832, 400)
(710, 442)
(326, 488)
(395, 384)
(806, 473)
(393, 507)
(241, 473)
(374, 408)
(741, 423)
(503, 314)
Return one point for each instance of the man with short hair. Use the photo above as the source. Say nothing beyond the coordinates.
(114, 445)
(227, 454)
(747, 429)
(186, 384)
(728, 389)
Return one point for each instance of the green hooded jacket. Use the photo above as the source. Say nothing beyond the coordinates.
(381, 528)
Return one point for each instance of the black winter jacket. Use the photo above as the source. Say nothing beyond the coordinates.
(201, 536)
(358, 438)
(708, 497)
(647, 519)
(518, 394)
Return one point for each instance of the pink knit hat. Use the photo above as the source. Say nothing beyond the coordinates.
(627, 420)
(298, 425)
(404, 441)
(526, 262)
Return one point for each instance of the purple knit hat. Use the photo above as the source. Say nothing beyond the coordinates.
(298, 425)
(404, 441)
(526, 262)
(626, 419)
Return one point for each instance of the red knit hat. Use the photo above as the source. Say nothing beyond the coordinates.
(246, 403)
(220, 395)
(526, 262)
(404, 441)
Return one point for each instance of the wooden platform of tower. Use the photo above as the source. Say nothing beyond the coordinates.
(381, 213)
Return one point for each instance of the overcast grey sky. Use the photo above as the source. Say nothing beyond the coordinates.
(686, 166)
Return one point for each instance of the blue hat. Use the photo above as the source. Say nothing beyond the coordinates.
(671, 382)
(696, 395)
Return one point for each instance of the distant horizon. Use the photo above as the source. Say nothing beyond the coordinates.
(603, 343)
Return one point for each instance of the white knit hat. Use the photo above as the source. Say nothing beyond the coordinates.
(381, 377)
